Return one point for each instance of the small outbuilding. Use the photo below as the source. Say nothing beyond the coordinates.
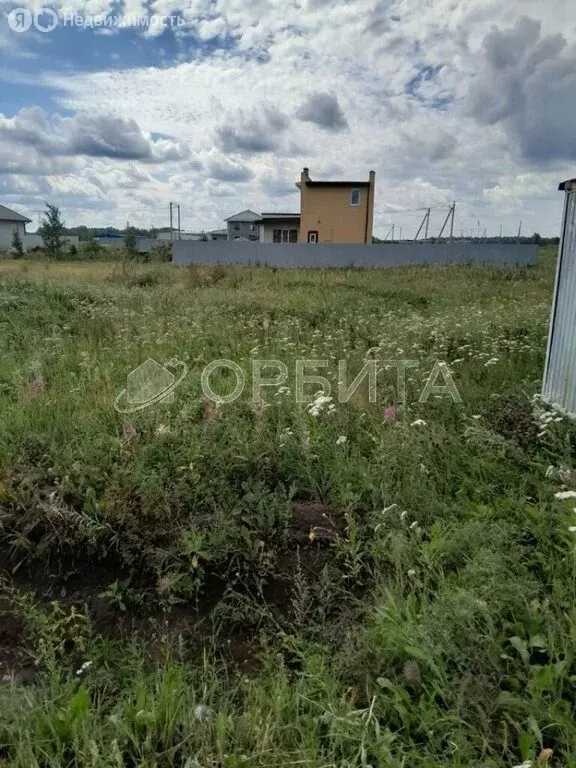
(559, 386)
(11, 221)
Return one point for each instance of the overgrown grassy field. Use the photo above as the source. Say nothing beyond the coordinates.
(273, 584)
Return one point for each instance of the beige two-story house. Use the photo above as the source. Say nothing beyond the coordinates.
(336, 211)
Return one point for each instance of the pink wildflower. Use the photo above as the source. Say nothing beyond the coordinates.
(129, 432)
(390, 414)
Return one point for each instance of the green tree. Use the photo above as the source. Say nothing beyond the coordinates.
(17, 244)
(51, 231)
(130, 243)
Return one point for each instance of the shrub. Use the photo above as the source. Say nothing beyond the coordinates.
(17, 250)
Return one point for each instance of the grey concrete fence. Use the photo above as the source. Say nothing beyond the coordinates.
(186, 252)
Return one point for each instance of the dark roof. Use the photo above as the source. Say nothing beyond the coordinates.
(275, 215)
(247, 215)
(569, 184)
(7, 214)
(337, 183)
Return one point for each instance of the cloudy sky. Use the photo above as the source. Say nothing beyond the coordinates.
(219, 106)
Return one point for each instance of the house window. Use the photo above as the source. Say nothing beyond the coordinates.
(285, 236)
(237, 227)
(313, 237)
(354, 197)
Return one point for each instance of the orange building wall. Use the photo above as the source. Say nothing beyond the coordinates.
(327, 210)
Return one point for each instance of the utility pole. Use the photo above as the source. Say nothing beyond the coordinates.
(400, 234)
(178, 221)
(171, 230)
(449, 217)
(425, 222)
(519, 231)
(500, 232)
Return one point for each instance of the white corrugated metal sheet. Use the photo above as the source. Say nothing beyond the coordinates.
(560, 373)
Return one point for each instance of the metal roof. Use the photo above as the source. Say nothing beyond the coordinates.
(569, 184)
(274, 215)
(246, 215)
(335, 183)
(7, 214)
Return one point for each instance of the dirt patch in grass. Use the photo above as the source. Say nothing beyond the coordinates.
(12, 651)
(296, 569)
(313, 522)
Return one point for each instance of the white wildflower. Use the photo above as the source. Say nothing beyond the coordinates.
(319, 404)
(403, 514)
(418, 423)
(341, 440)
(285, 436)
(563, 495)
(202, 712)
(84, 667)
(162, 429)
(572, 529)
(476, 416)
(411, 572)
(414, 524)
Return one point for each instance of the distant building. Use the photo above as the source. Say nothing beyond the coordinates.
(245, 224)
(217, 234)
(34, 240)
(110, 240)
(279, 227)
(336, 211)
(169, 236)
(117, 240)
(10, 221)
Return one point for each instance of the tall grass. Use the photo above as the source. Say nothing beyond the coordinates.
(259, 585)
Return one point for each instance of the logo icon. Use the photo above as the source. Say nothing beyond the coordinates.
(20, 20)
(45, 20)
(149, 384)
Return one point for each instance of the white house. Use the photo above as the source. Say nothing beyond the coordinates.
(279, 227)
(10, 221)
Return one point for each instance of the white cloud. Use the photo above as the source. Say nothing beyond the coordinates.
(410, 80)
